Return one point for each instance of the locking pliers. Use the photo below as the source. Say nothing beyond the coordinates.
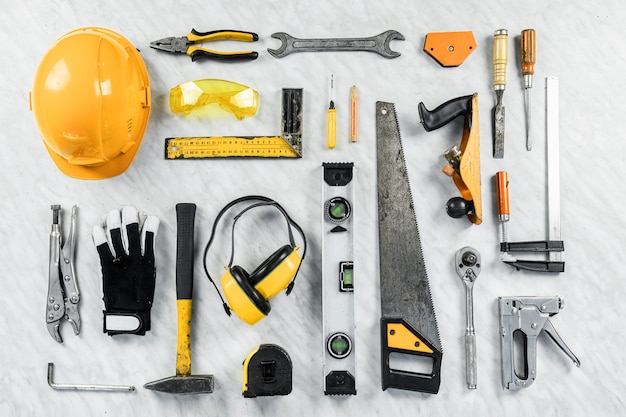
(63, 295)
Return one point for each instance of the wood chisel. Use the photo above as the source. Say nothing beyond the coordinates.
(500, 58)
(408, 323)
(527, 51)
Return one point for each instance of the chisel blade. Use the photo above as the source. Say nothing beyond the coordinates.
(498, 130)
(408, 323)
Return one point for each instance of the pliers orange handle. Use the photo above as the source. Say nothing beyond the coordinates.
(187, 45)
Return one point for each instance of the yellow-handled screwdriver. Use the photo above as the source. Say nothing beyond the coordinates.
(527, 51)
(332, 116)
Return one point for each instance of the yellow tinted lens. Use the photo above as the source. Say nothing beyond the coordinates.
(235, 98)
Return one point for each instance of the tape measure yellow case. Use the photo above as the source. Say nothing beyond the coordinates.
(288, 145)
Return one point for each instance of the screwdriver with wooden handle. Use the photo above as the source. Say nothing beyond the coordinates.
(527, 58)
(500, 58)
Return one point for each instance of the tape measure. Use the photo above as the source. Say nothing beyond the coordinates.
(229, 147)
(287, 145)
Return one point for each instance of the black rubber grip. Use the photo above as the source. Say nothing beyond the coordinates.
(225, 57)
(185, 217)
(446, 112)
(536, 246)
(253, 36)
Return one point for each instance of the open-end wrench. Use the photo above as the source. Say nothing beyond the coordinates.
(378, 44)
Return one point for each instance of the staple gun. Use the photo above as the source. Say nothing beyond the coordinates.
(528, 317)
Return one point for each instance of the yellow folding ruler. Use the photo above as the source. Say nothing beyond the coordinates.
(288, 145)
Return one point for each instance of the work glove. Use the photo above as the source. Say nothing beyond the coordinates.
(128, 270)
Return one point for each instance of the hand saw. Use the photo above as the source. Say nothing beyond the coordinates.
(408, 323)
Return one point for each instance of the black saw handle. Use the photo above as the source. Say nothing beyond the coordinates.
(399, 338)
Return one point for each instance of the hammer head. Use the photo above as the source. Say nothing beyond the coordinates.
(191, 384)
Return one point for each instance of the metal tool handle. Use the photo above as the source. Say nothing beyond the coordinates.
(55, 305)
(470, 359)
(500, 58)
(185, 215)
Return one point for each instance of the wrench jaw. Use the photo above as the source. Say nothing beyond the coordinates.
(280, 52)
(390, 35)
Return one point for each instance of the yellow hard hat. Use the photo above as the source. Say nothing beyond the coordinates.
(91, 101)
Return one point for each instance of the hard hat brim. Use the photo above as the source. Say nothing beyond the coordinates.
(109, 169)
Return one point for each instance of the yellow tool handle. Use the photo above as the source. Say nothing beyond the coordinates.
(221, 35)
(183, 348)
(527, 51)
(332, 128)
(500, 56)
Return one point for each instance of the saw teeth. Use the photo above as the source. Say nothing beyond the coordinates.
(390, 108)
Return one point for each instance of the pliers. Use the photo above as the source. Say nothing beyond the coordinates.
(63, 295)
(186, 45)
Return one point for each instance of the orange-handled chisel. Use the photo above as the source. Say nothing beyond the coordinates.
(527, 58)
(504, 207)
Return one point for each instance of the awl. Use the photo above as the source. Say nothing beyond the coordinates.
(527, 58)
(500, 58)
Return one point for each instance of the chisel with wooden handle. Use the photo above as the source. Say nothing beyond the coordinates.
(500, 58)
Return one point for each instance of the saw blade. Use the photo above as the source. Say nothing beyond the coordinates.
(408, 323)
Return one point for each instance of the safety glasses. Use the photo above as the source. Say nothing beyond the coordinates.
(235, 98)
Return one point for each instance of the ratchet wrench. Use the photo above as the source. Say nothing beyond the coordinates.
(467, 262)
(378, 44)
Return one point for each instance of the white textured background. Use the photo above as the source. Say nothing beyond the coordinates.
(581, 42)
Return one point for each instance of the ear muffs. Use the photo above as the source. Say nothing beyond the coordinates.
(276, 272)
(248, 294)
(242, 297)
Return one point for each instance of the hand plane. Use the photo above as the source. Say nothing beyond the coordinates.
(463, 160)
(526, 317)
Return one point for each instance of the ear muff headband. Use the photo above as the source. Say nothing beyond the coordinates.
(267, 201)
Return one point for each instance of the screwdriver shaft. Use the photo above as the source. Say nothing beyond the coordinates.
(527, 59)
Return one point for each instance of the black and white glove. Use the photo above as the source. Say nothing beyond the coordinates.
(128, 270)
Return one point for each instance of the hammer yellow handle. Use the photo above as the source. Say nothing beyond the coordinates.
(183, 349)
(500, 57)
